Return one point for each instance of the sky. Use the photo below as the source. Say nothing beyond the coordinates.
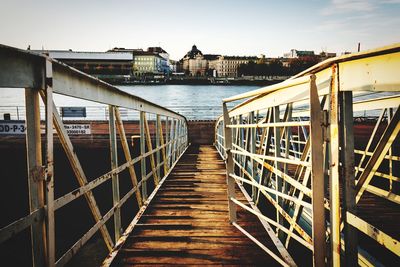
(234, 27)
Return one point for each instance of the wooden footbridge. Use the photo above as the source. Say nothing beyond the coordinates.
(304, 172)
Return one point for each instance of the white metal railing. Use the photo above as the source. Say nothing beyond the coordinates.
(296, 144)
(41, 77)
(100, 112)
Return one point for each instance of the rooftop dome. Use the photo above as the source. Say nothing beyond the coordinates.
(194, 52)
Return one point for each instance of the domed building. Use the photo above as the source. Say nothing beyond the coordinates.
(194, 63)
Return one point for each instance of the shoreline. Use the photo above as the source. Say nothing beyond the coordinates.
(196, 81)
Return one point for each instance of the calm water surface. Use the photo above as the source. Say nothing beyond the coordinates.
(193, 101)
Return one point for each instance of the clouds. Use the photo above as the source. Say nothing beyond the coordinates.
(348, 6)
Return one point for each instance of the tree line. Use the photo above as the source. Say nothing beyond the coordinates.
(276, 67)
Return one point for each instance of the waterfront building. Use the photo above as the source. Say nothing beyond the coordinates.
(153, 62)
(166, 67)
(173, 65)
(194, 63)
(99, 64)
(298, 53)
(325, 55)
(147, 63)
(227, 66)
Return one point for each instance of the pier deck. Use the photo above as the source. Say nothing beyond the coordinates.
(187, 223)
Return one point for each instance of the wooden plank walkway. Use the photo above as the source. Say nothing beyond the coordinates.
(187, 221)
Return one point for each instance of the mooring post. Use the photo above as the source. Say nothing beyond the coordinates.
(35, 174)
(317, 178)
(114, 164)
(229, 165)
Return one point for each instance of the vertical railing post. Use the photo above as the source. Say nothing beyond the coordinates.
(252, 147)
(317, 181)
(334, 169)
(50, 226)
(241, 158)
(114, 164)
(179, 138)
(278, 166)
(158, 125)
(35, 174)
(166, 141)
(176, 139)
(229, 165)
(127, 153)
(150, 148)
(349, 199)
(143, 160)
(171, 145)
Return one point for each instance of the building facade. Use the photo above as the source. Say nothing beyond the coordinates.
(99, 64)
(298, 53)
(194, 63)
(227, 66)
(148, 63)
(153, 62)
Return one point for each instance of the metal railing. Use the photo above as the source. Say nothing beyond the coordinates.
(293, 145)
(99, 112)
(41, 77)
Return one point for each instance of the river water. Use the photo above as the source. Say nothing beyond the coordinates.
(196, 102)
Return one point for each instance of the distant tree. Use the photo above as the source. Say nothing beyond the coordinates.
(276, 68)
(297, 65)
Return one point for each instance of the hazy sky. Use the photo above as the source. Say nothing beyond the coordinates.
(216, 26)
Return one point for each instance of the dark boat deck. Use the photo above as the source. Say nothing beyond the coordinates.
(187, 222)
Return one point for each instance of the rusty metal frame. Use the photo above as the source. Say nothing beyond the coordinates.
(284, 139)
(42, 76)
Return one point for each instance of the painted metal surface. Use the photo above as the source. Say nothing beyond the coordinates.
(43, 76)
(310, 136)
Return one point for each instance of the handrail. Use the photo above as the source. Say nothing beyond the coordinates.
(42, 76)
(304, 120)
(30, 67)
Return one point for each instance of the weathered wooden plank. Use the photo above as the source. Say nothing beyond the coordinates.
(188, 221)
